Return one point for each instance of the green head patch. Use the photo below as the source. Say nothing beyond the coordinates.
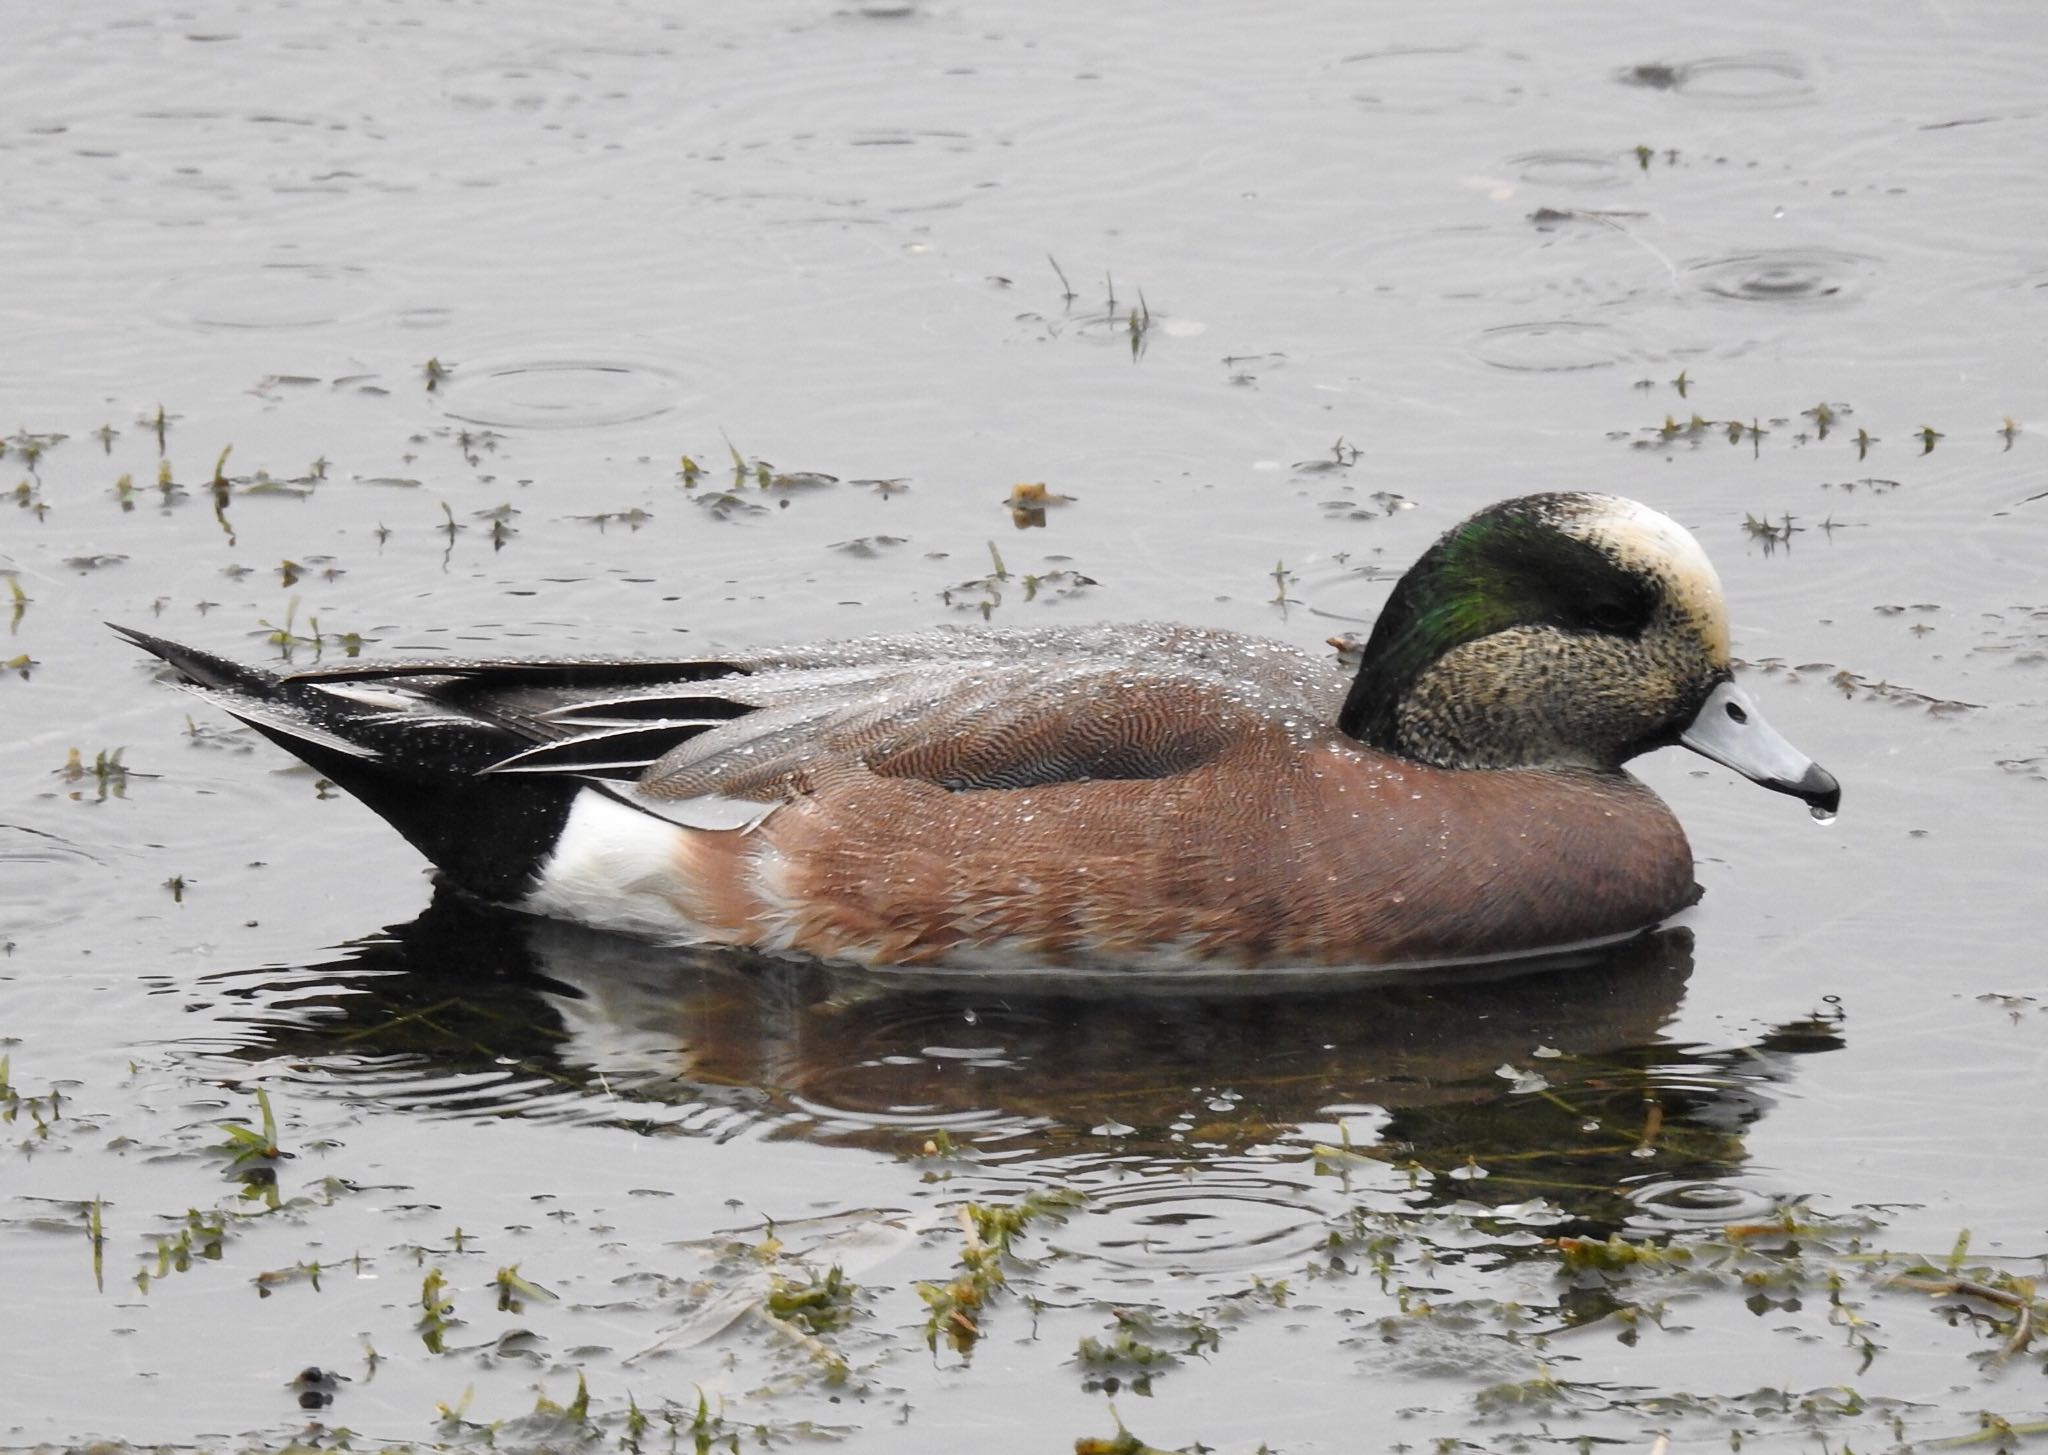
(1518, 563)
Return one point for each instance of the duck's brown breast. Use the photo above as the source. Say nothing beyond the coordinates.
(1274, 853)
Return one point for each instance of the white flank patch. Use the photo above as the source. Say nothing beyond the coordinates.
(389, 699)
(615, 867)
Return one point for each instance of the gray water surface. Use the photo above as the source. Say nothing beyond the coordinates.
(433, 301)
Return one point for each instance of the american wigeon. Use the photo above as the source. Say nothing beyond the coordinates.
(1142, 796)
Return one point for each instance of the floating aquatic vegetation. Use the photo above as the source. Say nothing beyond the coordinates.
(817, 1305)
(794, 480)
(108, 773)
(437, 1312)
(289, 640)
(1052, 585)
(956, 1307)
(1133, 321)
(1383, 503)
(1239, 365)
(1855, 685)
(159, 424)
(725, 504)
(30, 446)
(42, 1111)
(866, 547)
(633, 517)
(514, 1290)
(1126, 1443)
(1825, 419)
(500, 518)
(1028, 503)
(1773, 534)
(246, 1143)
(1142, 1343)
(1343, 455)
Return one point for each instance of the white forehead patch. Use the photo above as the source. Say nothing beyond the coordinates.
(1657, 545)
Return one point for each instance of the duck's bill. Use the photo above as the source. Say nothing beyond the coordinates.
(1731, 731)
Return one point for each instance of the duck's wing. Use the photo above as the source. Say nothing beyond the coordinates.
(940, 708)
(717, 743)
(960, 726)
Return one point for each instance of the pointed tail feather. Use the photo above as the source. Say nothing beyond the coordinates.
(417, 762)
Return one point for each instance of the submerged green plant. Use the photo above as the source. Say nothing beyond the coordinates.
(1067, 292)
(816, 1305)
(108, 773)
(270, 1280)
(437, 1312)
(955, 1306)
(245, 1143)
(514, 1290)
(288, 639)
(1125, 1443)
(1142, 1343)
(43, 1112)
(577, 1409)
(202, 1235)
(96, 1234)
(707, 1427)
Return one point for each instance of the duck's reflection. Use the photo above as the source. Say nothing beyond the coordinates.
(1552, 1082)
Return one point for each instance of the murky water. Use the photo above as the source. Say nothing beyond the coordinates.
(434, 302)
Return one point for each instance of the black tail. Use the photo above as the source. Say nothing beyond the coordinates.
(416, 759)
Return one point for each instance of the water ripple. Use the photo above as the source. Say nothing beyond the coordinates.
(1205, 1223)
(1757, 80)
(1694, 1203)
(1583, 170)
(1555, 346)
(1792, 276)
(557, 391)
(275, 295)
(40, 878)
(1424, 79)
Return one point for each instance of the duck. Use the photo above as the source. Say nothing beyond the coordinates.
(1111, 796)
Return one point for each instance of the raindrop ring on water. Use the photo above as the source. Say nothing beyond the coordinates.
(1792, 276)
(557, 392)
(1758, 79)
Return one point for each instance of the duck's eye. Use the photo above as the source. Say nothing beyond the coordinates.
(1613, 616)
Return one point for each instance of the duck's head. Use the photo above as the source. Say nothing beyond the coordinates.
(1569, 629)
